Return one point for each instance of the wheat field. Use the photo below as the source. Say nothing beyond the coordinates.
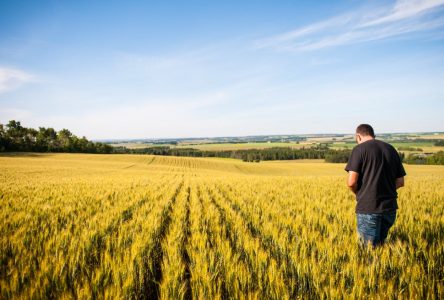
(78, 226)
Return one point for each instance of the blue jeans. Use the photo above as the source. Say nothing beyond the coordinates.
(374, 228)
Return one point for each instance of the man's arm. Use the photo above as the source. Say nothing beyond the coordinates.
(399, 182)
(352, 181)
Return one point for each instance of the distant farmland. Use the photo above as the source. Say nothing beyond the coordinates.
(424, 141)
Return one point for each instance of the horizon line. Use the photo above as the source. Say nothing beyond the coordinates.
(259, 135)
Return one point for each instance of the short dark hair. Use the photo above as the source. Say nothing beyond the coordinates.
(365, 130)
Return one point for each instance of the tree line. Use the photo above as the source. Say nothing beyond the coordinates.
(15, 137)
(248, 155)
(418, 159)
(277, 153)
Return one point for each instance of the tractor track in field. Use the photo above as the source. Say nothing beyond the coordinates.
(235, 245)
(150, 288)
(184, 252)
(213, 244)
(270, 246)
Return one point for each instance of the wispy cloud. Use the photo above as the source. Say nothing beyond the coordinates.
(12, 78)
(404, 9)
(364, 25)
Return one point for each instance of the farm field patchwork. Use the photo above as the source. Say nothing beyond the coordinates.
(140, 226)
(424, 146)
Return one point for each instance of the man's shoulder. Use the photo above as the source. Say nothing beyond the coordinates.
(373, 146)
(357, 150)
(359, 147)
(386, 145)
(380, 142)
(366, 145)
(374, 143)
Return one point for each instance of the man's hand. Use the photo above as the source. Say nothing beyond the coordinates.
(352, 181)
(399, 182)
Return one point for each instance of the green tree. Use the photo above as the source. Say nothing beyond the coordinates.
(15, 137)
(436, 159)
(64, 138)
(16, 132)
(3, 139)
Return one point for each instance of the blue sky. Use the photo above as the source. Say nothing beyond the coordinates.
(153, 69)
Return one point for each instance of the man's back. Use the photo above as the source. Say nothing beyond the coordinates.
(378, 165)
(375, 171)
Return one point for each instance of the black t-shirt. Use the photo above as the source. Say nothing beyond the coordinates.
(378, 165)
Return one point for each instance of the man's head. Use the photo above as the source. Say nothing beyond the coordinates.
(364, 132)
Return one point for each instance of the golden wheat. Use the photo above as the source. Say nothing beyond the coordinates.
(130, 226)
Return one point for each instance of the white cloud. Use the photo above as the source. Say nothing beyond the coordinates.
(12, 78)
(298, 33)
(406, 16)
(404, 9)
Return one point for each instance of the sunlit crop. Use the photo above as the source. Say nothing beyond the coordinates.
(129, 226)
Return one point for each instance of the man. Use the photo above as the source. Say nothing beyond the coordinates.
(375, 173)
